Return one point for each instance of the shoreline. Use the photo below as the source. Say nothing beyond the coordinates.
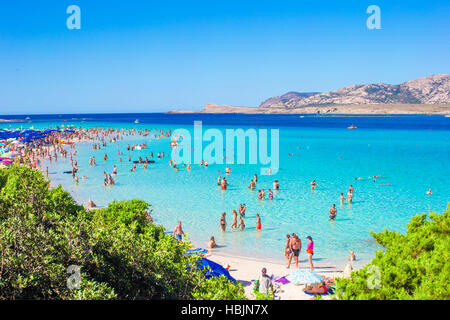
(332, 109)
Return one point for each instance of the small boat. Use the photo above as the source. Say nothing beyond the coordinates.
(352, 127)
(136, 121)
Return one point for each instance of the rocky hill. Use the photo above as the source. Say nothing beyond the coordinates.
(434, 89)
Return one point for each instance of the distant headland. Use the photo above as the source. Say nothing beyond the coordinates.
(427, 95)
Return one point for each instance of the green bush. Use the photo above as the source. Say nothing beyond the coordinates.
(413, 266)
(119, 254)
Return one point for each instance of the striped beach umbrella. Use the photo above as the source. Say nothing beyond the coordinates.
(304, 277)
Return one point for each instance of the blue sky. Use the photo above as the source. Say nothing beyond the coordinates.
(152, 56)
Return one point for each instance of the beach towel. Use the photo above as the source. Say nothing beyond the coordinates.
(283, 280)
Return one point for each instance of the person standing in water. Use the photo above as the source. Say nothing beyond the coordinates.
(234, 224)
(342, 198)
(314, 185)
(276, 185)
(258, 222)
(224, 183)
(241, 223)
(178, 232)
(223, 222)
(349, 197)
(333, 212)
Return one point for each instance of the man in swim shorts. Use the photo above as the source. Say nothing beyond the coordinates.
(333, 212)
(295, 245)
(178, 232)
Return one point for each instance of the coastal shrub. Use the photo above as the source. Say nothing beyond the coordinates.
(220, 289)
(413, 266)
(115, 252)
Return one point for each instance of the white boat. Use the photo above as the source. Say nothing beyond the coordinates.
(136, 121)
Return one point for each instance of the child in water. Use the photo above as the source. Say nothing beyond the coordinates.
(241, 223)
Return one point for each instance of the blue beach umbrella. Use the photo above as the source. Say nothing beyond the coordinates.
(212, 269)
(304, 277)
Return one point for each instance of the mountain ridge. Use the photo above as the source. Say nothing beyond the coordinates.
(426, 95)
(433, 89)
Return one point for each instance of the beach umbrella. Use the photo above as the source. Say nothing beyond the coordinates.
(212, 269)
(304, 277)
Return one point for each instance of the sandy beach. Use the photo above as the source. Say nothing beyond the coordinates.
(246, 270)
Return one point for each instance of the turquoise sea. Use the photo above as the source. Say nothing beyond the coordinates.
(411, 153)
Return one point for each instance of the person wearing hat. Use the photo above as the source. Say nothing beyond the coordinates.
(310, 251)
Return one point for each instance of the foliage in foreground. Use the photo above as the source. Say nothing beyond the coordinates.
(413, 266)
(120, 256)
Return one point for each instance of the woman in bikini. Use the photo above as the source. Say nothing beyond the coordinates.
(222, 222)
